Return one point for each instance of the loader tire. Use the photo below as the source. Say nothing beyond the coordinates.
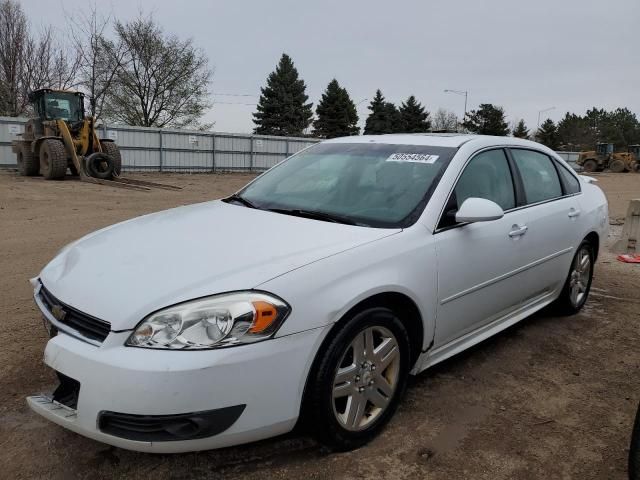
(28, 164)
(617, 166)
(113, 151)
(53, 159)
(590, 166)
(99, 165)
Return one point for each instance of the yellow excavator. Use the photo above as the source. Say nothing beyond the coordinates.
(61, 137)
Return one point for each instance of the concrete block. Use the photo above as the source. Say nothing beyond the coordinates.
(629, 241)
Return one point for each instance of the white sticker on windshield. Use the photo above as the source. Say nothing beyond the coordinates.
(412, 158)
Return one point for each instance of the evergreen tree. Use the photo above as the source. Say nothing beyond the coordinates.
(547, 134)
(521, 130)
(415, 119)
(384, 117)
(282, 108)
(336, 112)
(487, 120)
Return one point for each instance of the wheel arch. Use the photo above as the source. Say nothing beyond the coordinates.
(594, 239)
(408, 313)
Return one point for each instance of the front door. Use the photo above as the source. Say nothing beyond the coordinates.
(478, 263)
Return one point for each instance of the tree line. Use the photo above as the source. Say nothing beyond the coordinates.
(284, 109)
(131, 72)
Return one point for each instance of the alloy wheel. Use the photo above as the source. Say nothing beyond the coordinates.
(366, 378)
(579, 280)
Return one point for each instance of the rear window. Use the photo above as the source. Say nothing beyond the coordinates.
(570, 182)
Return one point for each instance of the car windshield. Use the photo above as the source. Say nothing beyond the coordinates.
(369, 184)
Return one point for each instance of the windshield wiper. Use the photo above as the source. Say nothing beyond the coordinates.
(237, 198)
(326, 217)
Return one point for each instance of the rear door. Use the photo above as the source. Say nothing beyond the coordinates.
(551, 202)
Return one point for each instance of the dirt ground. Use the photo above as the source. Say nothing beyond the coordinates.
(548, 398)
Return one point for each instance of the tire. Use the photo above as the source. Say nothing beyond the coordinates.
(634, 449)
(99, 165)
(617, 166)
(28, 164)
(590, 165)
(578, 284)
(357, 379)
(113, 151)
(53, 159)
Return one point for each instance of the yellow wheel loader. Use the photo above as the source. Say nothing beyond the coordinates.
(604, 157)
(61, 137)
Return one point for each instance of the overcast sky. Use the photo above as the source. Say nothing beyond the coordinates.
(522, 55)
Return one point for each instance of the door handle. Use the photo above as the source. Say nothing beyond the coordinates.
(518, 230)
(574, 213)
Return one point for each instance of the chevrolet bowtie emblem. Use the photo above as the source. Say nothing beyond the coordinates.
(58, 312)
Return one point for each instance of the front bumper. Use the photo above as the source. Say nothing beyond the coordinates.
(268, 377)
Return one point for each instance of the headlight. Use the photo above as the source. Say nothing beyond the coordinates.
(212, 322)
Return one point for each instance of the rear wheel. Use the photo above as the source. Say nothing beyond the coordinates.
(617, 166)
(113, 151)
(53, 159)
(590, 165)
(28, 164)
(358, 380)
(576, 288)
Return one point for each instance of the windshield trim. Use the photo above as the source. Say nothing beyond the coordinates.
(410, 219)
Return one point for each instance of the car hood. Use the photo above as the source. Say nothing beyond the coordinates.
(126, 271)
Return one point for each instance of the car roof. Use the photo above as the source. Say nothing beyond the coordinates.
(454, 140)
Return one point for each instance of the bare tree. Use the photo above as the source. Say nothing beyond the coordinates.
(163, 80)
(13, 38)
(100, 57)
(29, 62)
(445, 120)
(48, 64)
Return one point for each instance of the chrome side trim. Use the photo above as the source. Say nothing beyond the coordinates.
(505, 276)
(60, 326)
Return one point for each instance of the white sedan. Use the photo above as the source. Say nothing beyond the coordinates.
(310, 295)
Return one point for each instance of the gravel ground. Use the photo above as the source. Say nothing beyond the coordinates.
(548, 398)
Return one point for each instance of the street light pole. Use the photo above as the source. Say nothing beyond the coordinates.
(466, 96)
(542, 111)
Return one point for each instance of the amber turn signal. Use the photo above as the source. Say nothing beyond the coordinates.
(265, 316)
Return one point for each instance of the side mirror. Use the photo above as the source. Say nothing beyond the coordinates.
(478, 210)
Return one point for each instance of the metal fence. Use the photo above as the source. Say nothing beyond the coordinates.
(571, 158)
(165, 150)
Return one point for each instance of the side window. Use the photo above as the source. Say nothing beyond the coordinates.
(488, 176)
(571, 183)
(539, 176)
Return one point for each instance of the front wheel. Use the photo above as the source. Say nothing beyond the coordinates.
(617, 166)
(53, 159)
(359, 379)
(113, 151)
(578, 284)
